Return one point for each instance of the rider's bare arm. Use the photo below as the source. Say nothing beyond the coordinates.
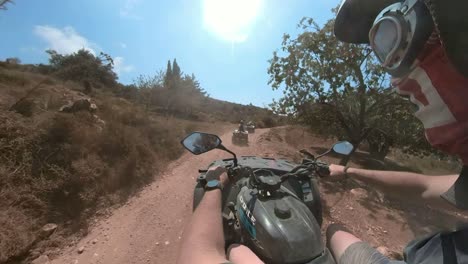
(421, 187)
(203, 240)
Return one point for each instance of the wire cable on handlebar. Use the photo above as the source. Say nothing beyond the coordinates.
(304, 169)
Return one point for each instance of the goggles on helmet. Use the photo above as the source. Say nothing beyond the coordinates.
(399, 33)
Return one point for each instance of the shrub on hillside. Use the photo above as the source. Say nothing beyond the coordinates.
(43, 69)
(83, 65)
(13, 61)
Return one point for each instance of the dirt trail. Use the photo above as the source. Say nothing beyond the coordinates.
(148, 228)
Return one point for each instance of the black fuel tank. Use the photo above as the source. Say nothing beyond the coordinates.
(279, 228)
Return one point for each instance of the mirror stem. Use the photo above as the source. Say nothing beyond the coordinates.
(323, 154)
(227, 150)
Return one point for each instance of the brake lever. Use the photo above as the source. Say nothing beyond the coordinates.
(307, 153)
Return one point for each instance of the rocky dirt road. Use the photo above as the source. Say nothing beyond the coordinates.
(148, 228)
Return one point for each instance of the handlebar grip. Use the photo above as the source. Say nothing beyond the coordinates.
(202, 171)
(323, 170)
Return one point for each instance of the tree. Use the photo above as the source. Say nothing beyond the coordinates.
(187, 96)
(176, 73)
(83, 65)
(177, 97)
(150, 89)
(338, 88)
(173, 75)
(3, 4)
(168, 75)
(13, 60)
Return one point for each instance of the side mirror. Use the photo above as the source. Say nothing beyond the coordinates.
(343, 148)
(199, 143)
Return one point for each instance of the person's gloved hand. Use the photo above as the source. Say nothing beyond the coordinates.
(217, 173)
(323, 171)
(337, 173)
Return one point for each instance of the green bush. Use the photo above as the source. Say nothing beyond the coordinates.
(83, 65)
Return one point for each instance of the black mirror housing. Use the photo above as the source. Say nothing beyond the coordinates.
(198, 143)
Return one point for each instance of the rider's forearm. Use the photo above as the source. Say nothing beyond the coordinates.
(394, 180)
(203, 240)
(411, 184)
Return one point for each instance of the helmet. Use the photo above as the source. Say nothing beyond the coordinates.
(356, 17)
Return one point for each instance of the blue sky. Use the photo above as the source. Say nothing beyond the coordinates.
(228, 51)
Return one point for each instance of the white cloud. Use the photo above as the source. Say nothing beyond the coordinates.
(128, 10)
(121, 67)
(64, 41)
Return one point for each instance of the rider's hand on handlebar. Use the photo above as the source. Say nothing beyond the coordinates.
(217, 173)
(337, 172)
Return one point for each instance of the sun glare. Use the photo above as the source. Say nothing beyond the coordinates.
(230, 19)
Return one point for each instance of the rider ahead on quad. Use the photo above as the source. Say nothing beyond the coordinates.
(240, 136)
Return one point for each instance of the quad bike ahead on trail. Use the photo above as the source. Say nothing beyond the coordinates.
(250, 128)
(271, 206)
(240, 137)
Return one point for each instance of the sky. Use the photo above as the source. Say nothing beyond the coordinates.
(225, 43)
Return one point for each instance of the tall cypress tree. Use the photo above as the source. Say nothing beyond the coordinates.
(168, 76)
(176, 70)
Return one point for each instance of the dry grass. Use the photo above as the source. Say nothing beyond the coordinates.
(13, 78)
(301, 137)
(431, 165)
(15, 224)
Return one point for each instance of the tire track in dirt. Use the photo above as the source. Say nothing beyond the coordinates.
(148, 228)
